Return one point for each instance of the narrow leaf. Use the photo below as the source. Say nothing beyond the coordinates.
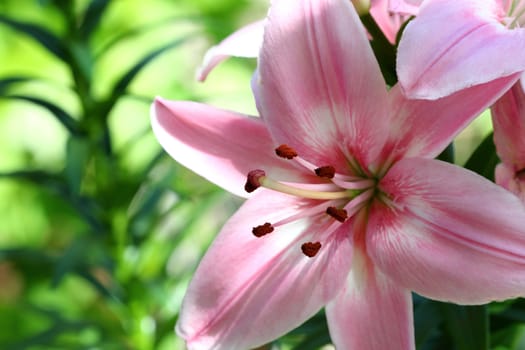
(92, 17)
(62, 116)
(121, 86)
(484, 159)
(384, 51)
(77, 156)
(467, 325)
(427, 318)
(6, 83)
(47, 39)
(142, 29)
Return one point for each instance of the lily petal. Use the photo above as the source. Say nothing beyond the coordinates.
(389, 21)
(424, 128)
(371, 312)
(507, 177)
(245, 42)
(508, 118)
(219, 145)
(319, 87)
(452, 45)
(410, 7)
(448, 233)
(248, 291)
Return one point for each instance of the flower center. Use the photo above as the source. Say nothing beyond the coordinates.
(515, 10)
(337, 196)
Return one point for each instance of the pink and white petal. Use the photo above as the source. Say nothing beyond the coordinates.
(245, 42)
(508, 119)
(407, 7)
(219, 145)
(248, 291)
(424, 128)
(452, 45)
(319, 87)
(388, 21)
(448, 233)
(371, 312)
(508, 178)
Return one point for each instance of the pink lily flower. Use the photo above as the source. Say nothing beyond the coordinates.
(246, 42)
(463, 43)
(390, 15)
(408, 7)
(347, 207)
(508, 117)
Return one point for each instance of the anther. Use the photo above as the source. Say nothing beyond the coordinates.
(325, 171)
(253, 180)
(262, 230)
(339, 214)
(285, 151)
(310, 249)
(520, 174)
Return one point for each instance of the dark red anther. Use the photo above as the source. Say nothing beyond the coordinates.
(310, 249)
(253, 180)
(325, 171)
(262, 230)
(520, 174)
(339, 214)
(285, 151)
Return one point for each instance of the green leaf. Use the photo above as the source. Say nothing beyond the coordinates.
(92, 17)
(144, 28)
(62, 116)
(73, 256)
(85, 206)
(384, 51)
(6, 83)
(468, 326)
(102, 289)
(121, 86)
(47, 39)
(427, 318)
(77, 157)
(484, 159)
(448, 154)
(42, 178)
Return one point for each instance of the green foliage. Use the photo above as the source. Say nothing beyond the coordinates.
(97, 249)
(99, 230)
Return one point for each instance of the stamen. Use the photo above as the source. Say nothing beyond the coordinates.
(310, 249)
(325, 171)
(285, 151)
(339, 214)
(358, 202)
(359, 184)
(262, 230)
(299, 192)
(253, 180)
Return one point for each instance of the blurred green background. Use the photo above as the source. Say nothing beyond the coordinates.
(99, 230)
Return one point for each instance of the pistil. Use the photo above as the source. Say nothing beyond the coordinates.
(257, 178)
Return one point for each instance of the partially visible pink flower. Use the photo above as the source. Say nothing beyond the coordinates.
(508, 117)
(461, 44)
(246, 42)
(408, 7)
(389, 18)
(349, 209)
